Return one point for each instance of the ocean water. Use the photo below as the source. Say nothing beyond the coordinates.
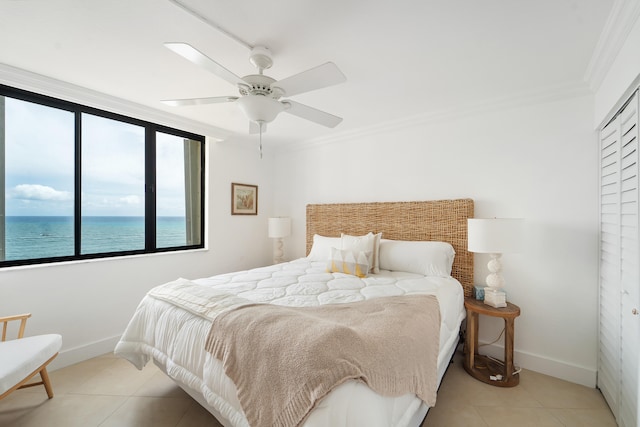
(32, 237)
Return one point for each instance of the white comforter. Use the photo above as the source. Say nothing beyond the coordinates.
(174, 336)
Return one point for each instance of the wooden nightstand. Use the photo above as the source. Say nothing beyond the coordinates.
(481, 367)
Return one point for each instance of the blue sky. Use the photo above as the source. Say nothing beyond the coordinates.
(39, 162)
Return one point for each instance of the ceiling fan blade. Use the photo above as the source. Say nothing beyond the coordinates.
(310, 113)
(194, 55)
(254, 128)
(324, 75)
(198, 101)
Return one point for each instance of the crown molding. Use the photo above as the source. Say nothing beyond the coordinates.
(26, 80)
(619, 24)
(521, 99)
(44, 85)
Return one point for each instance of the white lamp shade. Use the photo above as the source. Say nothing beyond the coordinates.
(494, 235)
(279, 227)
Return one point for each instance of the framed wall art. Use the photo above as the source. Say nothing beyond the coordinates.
(244, 199)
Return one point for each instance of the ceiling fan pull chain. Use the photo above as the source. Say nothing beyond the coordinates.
(260, 125)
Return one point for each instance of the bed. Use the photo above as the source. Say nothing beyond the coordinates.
(171, 327)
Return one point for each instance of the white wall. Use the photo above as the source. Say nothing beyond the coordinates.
(90, 303)
(621, 79)
(538, 162)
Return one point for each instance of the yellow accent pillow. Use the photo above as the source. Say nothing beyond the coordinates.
(355, 263)
(369, 243)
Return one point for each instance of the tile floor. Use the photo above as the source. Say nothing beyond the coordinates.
(109, 392)
(538, 401)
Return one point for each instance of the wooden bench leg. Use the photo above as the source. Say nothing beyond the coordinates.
(46, 382)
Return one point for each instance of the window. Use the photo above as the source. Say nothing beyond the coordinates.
(112, 185)
(38, 180)
(178, 201)
(83, 183)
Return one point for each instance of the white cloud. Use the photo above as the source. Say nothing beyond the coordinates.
(39, 192)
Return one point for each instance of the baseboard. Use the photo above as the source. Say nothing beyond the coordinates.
(545, 365)
(75, 355)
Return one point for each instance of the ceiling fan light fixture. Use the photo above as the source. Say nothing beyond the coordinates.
(260, 108)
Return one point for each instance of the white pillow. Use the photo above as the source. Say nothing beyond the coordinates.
(369, 243)
(420, 257)
(320, 250)
(375, 268)
(355, 263)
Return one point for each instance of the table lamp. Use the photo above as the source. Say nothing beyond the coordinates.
(494, 236)
(279, 227)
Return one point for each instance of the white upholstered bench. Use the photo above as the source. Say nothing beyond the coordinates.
(23, 358)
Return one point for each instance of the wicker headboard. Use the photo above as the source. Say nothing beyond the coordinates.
(437, 220)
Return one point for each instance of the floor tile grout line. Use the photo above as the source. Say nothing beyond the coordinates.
(479, 415)
(556, 418)
(185, 413)
(113, 412)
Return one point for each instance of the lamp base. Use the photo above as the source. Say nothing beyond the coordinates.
(278, 253)
(495, 298)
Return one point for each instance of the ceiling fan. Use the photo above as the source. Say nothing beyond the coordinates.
(260, 95)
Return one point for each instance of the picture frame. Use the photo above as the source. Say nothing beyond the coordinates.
(244, 199)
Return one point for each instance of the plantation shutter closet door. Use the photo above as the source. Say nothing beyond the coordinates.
(620, 265)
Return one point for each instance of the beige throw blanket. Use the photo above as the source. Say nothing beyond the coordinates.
(285, 359)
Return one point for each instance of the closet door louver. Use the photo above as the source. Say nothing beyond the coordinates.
(629, 263)
(620, 265)
(609, 345)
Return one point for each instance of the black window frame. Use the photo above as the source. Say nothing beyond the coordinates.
(151, 129)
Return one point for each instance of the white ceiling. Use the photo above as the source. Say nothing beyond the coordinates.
(401, 58)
